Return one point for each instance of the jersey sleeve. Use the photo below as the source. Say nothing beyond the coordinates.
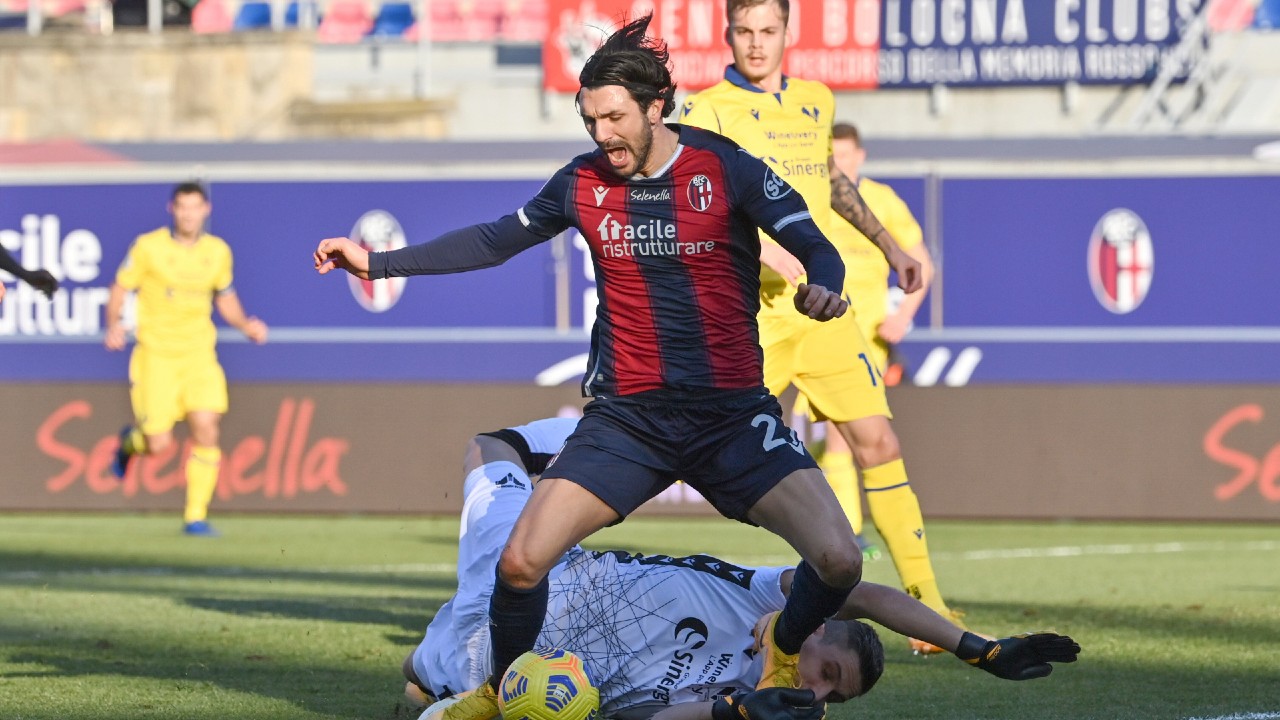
(133, 268)
(778, 209)
(698, 111)
(548, 213)
(222, 281)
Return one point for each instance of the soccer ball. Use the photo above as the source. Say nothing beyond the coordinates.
(549, 685)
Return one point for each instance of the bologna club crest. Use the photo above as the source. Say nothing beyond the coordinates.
(377, 231)
(1121, 261)
(700, 193)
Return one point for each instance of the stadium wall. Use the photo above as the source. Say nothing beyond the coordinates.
(1152, 453)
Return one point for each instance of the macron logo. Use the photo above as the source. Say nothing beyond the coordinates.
(600, 191)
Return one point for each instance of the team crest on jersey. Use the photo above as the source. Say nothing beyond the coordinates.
(774, 186)
(1121, 261)
(377, 231)
(811, 111)
(688, 108)
(755, 113)
(700, 193)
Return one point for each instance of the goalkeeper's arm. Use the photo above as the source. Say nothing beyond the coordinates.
(1017, 658)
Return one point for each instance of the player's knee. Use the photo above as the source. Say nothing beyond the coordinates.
(876, 446)
(520, 570)
(841, 566)
(407, 668)
(157, 444)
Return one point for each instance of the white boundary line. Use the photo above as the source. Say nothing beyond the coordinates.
(1062, 551)
(1270, 715)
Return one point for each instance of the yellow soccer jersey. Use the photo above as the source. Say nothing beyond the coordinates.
(789, 130)
(866, 272)
(175, 285)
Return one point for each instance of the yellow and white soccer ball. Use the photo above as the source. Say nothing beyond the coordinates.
(548, 685)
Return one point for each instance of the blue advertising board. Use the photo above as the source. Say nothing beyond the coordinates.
(1027, 42)
(1047, 279)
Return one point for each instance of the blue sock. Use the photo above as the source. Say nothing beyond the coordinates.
(810, 604)
(515, 619)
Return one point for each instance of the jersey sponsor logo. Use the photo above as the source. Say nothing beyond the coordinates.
(646, 195)
(700, 193)
(689, 628)
(600, 191)
(1121, 261)
(377, 231)
(775, 187)
(691, 633)
(651, 237)
(800, 167)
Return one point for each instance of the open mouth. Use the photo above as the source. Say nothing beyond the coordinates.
(617, 156)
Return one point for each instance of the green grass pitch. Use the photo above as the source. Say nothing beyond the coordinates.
(119, 616)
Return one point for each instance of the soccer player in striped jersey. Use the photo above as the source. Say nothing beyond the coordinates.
(787, 121)
(665, 636)
(671, 216)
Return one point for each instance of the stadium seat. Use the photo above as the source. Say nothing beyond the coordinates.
(524, 21)
(210, 16)
(394, 18)
(1267, 16)
(253, 15)
(293, 13)
(347, 21)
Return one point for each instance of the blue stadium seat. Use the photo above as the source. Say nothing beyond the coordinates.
(1267, 16)
(293, 12)
(393, 19)
(253, 15)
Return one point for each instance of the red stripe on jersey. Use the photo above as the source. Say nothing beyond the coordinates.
(630, 333)
(724, 279)
(1110, 271)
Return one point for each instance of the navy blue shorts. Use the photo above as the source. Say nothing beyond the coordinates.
(732, 451)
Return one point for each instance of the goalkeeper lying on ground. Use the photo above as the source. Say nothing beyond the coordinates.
(671, 637)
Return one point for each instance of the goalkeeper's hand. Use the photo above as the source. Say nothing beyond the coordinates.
(1021, 657)
(769, 704)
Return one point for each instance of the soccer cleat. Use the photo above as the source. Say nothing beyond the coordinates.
(920, 647)
(780, 669)
(870, 551)
(478, 704)
(120, 463)
(200, 528)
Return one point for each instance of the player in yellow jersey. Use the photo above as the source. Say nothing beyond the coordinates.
(866, 271)
(866, 283)
(180, 274)
(787, 121)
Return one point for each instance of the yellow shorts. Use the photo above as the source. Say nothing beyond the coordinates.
(828, 362)
(868, 320)
(165, 388)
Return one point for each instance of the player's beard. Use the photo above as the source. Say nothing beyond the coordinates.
(639, 152)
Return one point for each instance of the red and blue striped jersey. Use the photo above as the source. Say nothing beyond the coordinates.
(676, 260)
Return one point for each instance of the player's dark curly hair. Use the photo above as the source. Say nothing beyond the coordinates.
(635, 61)
(865, 643)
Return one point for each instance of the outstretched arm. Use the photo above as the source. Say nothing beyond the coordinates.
(471, 248)
(848, 202)
(42, 280)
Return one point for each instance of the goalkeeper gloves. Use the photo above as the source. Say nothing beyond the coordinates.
(1021, 657)
(769, 704)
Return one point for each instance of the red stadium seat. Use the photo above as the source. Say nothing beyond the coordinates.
(347, 21)
(210, 16)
